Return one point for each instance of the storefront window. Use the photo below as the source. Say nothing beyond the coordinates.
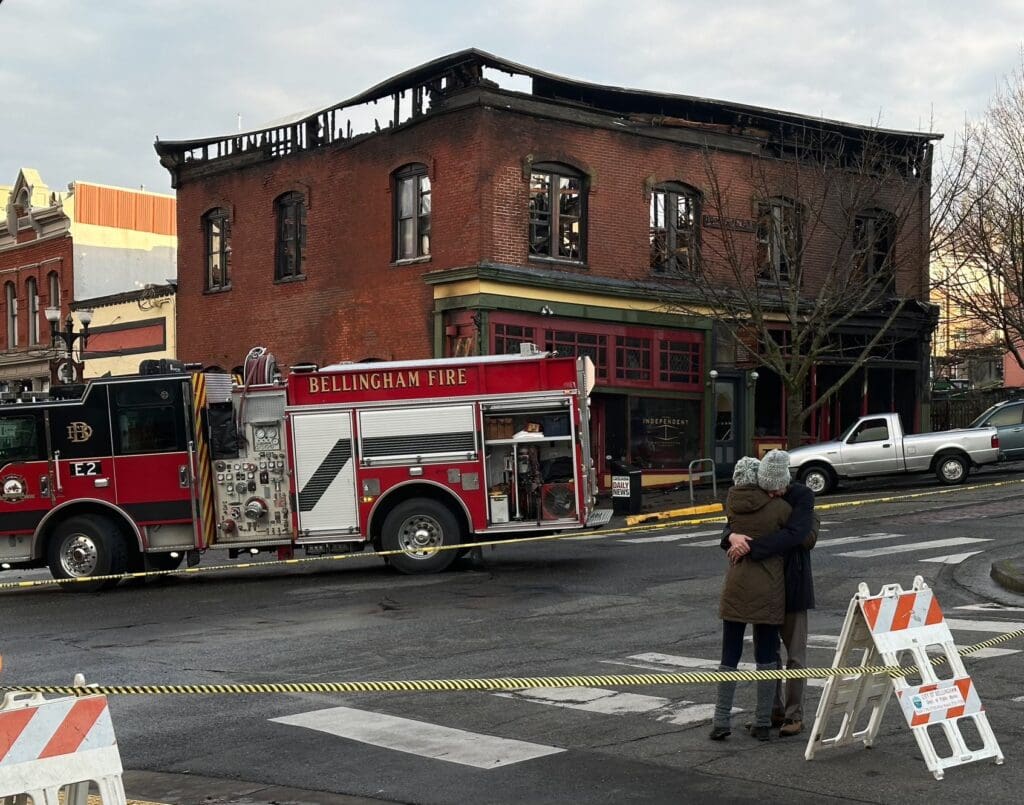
(679, 362)
(568, 342)
(664, 433)
(632, 358)
(508, 337)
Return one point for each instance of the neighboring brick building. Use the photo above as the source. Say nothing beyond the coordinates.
(479, 217)
(91, 242)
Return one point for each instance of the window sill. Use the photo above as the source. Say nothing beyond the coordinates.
(222, 289)
(409, 261)
(288, 280)
(558, 261)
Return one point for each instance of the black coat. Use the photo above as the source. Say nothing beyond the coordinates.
(793, 542)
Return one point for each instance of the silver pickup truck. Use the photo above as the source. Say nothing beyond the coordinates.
(875, 445)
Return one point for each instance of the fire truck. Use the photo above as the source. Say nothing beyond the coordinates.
(130, 473)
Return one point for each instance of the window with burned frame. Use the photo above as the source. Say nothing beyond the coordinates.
(779, 240)
(412, 212)
(558, 212)
(874, 241)
(217, 237)
(675, 229)
(291, 237)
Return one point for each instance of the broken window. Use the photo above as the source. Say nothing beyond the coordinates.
(874, 236)
(674, 232)
(557, 212)
(412, 212)
(778, 240)
(291, 236)
(217, 233)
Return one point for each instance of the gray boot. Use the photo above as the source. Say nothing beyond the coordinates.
(765, 697)
(723, 706)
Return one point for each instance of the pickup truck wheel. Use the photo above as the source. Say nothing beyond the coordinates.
(818, 479)
(86, 546)
(418, 528)
(951, 469)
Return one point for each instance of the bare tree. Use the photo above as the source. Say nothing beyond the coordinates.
(980, 246)
(823, 264)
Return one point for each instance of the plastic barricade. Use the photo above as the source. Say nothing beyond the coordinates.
(52, 750)
(897, 627)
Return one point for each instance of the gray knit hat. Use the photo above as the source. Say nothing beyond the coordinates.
(773, 474)
(745, 471)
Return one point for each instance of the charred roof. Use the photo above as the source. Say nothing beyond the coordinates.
(423, 89)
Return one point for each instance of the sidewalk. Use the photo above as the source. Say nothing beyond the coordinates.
(668, 499)
(1009, 574)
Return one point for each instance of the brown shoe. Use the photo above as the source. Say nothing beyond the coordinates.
(791, 727)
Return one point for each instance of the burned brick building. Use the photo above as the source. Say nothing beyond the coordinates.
(483, 203)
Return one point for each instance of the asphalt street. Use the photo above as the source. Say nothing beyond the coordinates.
(612, 602)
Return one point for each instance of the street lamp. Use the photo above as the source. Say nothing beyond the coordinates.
(68, 370)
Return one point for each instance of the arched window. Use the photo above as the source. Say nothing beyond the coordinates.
(779, 241)
(874, 242)
(412, 212)
(54, 282)
(675, 228)
(291, 236)
(12, 315)
(32, 292)
(217, 236)
(558, 212)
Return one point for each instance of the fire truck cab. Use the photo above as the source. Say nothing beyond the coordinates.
(410, 457)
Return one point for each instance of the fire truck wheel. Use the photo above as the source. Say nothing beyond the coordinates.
(418, 527)
(86, 546)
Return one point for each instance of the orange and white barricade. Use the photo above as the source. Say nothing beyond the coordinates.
(54, 747)
(897, 627)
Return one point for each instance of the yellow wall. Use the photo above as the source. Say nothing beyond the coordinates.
(125, 313)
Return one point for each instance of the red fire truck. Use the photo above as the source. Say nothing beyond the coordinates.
(138, 472)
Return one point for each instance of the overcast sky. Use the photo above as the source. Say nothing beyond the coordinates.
(87, 85)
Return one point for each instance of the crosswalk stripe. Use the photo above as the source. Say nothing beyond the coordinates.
(951, 559)
(999, 627)
(419, 737)
(616, 703)
(831, 543)
(914, 546)
(990, 606)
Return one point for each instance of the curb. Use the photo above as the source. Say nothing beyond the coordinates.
(1009, 575)
(709, 508)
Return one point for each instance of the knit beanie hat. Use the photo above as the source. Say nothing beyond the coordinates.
(745, 472)
(773, 474)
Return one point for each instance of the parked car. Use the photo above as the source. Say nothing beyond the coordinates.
(876, 445)
(1008, 419)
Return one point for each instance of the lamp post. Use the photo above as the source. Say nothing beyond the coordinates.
(66, 369)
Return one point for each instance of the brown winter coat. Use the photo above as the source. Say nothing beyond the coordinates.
(755, 592)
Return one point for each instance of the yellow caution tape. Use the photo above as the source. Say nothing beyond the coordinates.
(496, 683)
(21, 585)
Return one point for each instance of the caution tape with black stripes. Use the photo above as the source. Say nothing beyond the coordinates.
(21, 585)
(495, 683)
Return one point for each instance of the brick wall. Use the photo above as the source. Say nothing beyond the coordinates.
(36, 260)
(356, 303)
